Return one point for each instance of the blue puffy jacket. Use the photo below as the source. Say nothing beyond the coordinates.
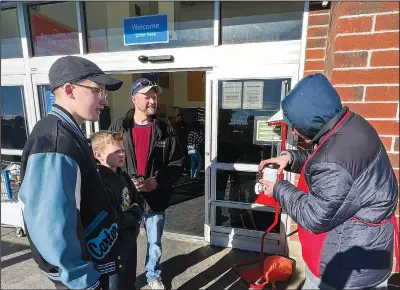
(349, 176)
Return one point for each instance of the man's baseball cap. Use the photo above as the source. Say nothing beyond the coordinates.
(144, 85)
(70, 69)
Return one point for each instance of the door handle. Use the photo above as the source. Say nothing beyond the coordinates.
(207, 153)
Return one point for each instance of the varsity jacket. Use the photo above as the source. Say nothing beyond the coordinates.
(70, 222)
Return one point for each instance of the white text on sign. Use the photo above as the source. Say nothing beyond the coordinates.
(145, 34)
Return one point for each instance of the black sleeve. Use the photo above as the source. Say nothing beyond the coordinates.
(174, 169)
(135, 195)
(329, 203)
(297, 159)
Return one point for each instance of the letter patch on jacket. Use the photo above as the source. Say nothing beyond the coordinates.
(126, 200)
(161, 144)
(102, 244)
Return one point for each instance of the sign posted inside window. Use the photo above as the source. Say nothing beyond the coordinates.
(49, 100)
(146, 29)
(265, 134)
(231, 95)
(253, 95)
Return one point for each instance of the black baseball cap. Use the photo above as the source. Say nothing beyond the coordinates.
(144, 85)
(70, 69)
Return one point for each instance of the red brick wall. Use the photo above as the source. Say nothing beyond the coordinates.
(365, 66)
(318, 22)
(360, 56)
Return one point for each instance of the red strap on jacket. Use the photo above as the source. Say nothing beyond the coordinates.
(312, 244)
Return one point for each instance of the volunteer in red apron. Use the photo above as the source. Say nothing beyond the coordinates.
(346, 197)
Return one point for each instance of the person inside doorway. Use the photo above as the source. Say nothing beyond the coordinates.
(347, 192)
(195, 140)
(153, 152)
(182, 131)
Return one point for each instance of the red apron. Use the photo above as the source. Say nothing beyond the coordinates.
(313, 244)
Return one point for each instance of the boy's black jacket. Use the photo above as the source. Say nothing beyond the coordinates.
(124, 195)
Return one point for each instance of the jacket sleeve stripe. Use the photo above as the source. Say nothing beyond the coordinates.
(100, 217)
(49, 194)
(78, 189)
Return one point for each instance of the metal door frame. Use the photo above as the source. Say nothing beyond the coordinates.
(231, 237)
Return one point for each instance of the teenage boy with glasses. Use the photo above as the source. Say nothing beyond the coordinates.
(71, 223)
(155, 156)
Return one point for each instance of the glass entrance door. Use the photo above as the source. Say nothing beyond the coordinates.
(17, 115)
(242, 102)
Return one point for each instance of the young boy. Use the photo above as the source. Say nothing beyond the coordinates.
(108, 149)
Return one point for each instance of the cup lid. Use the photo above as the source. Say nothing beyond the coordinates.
(272, 165)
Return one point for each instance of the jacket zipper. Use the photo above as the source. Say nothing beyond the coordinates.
(154, 139)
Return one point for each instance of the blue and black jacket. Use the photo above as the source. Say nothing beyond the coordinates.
(352, 188)
(70, 221)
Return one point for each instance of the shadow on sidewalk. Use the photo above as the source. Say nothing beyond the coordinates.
(8, 248)
(179, 264)
(12, 248)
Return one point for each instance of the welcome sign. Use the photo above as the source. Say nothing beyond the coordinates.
(146, 29)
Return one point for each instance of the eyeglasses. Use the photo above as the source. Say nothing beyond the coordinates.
(102, 92)
(145, 83)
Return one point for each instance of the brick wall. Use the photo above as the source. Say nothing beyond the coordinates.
(318, 22)
(360, 56)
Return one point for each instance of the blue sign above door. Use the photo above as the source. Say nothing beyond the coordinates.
(146, 29)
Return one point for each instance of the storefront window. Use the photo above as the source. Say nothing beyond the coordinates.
(13, 118)
(241, 139)
(187, 23)
(11, 46)
(54, 28)
(246, 22)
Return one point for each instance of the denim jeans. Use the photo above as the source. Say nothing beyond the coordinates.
(154, 226)
(197, 163)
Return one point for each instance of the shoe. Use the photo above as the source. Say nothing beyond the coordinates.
(157, 284)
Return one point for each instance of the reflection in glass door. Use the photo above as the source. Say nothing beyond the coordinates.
(14, 129)
(241, 107)
(17, 115)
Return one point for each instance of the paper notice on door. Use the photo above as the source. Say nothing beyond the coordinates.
(231, 95)
(253, 95)
(265, 133)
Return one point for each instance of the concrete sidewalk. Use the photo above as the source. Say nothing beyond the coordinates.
(186, 265)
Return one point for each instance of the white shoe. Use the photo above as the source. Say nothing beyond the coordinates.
(157, 284)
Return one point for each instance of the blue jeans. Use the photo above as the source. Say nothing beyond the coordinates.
(154, 226)
(197, 163)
